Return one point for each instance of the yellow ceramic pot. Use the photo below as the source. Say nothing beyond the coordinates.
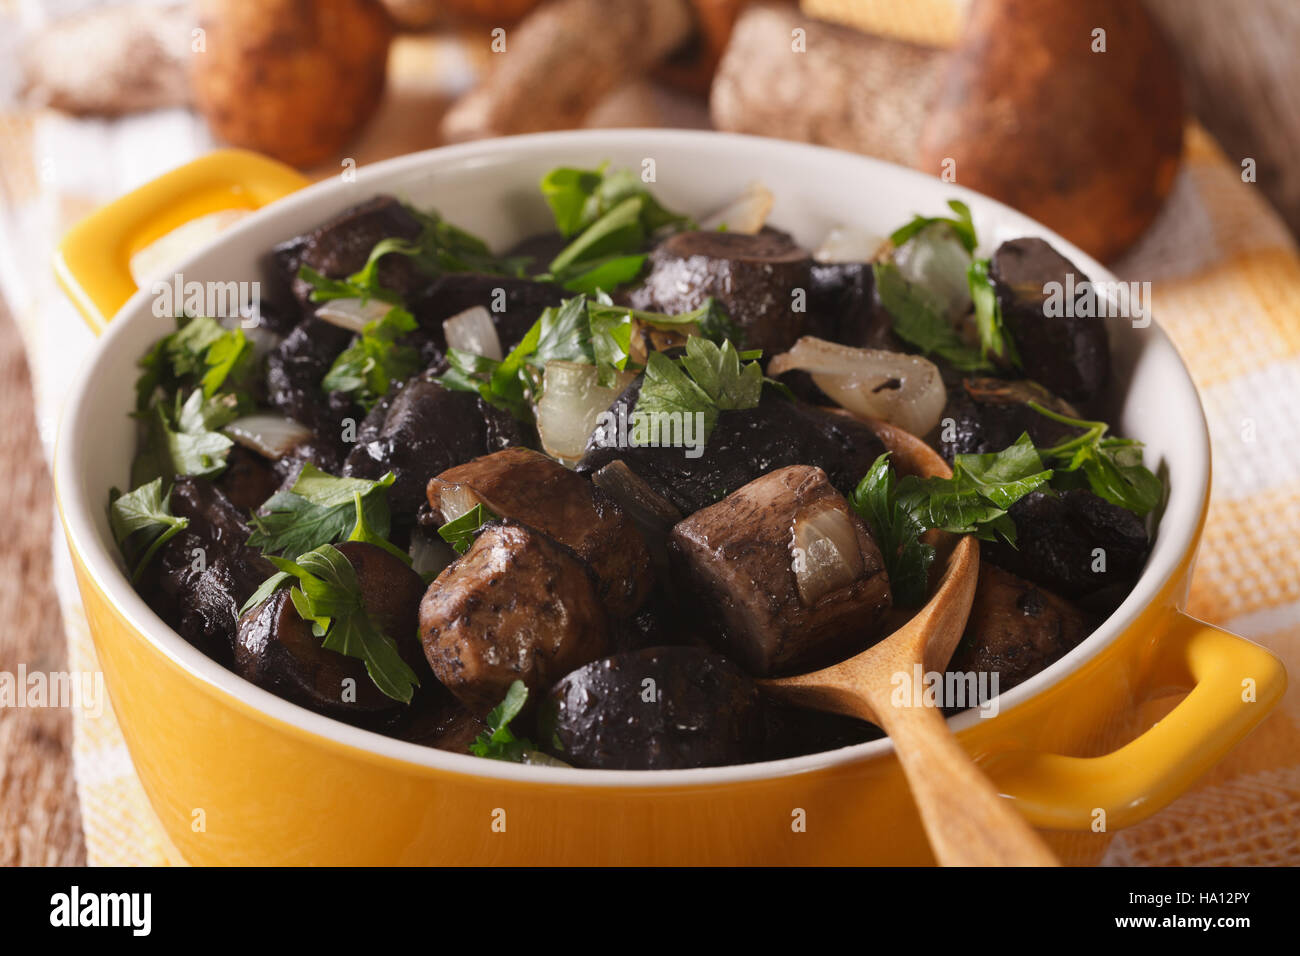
(278, 784)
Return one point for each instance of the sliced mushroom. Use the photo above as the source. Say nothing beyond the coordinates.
(656, 709)
(787, 573)
(516, 606)
(276, 649)
(1015, 629)
(528, 487)
(756, 278)
(1070, 352)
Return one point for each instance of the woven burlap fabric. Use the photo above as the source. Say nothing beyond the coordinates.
(1227, 288)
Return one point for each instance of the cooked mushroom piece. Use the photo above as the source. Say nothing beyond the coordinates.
(427, 429)
(516, 606)
(756, 278)
(1015, 629)
(786, 572)
(988, 414)
(513, 304)
(203, 576)
(249, 479)
(661, 708)
(342, 245)
(743, 446)
(1075, 543)
(294, 371)
(276, 649)
(1069, 352)
(530, 488)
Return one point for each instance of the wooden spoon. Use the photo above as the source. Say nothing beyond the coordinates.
(968, 823)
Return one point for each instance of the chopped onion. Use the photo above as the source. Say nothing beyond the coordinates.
(450, 500)
(746, 213)
(936, 260)
(429, 555)
(472, 331)
(572, 401)
(827, 556)
(268, 434)
(904, 390)
(847, 244)
(352, 314)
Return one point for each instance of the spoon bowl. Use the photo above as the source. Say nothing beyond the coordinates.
(967, 821)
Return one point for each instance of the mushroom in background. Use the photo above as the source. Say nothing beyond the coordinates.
(293, 80)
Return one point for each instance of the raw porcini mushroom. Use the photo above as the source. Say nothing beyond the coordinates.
(788, 574)
(516, 606)
(276, 649)
(528, 487)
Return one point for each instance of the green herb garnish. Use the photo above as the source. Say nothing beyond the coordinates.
(319, 509)
(1112, 467)
(142, 522)
(918, 318)
(896, 532)
(995, 340)
(708, 380)
(183, 441)
(962, 226)
(367, 368)
(499, 742)
(461, 532)
(328, 596)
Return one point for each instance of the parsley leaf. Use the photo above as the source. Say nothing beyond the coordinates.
(918, 318)
(328, 596)
(896, 532)
(142, 522)
(461, 532)
(319, 509)
(707, 380)
(994, 338)
(499, 742)
(367, 368)
(579, 197)
(200, 352)
(188, 446)
(982, 487)
(962, 225)
(1112, 466)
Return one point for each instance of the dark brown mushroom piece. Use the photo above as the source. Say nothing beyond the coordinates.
(512, 303)
(276, 649)
(755, 278)
(249, 479)
(341, 246)
(1015, 630)
(425, 430)
(202, 576)
(785, 571)
(988, 415)
(1060, 347)
(1076, 544)
(661, 708)
(744, 445)
(517, 605)
(294, 371)
(528, 487)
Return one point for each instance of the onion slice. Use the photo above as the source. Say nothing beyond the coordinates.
(904, 390)
(352, 314)
(847, 244)
(825, 551)
(746, 213)
(268, 434)
(472, 331)
(572, 400)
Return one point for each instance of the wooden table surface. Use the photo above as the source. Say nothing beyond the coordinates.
(1244, 84)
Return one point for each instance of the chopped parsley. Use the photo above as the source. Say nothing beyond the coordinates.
(962, 226)
(1111, 467)
(142, 522)
(499, 742)
(367, 368)
(918, 318)
(461, 532)
(320, 509)
(708, 380)
(328, 596)
(896, 532)
(994, 338)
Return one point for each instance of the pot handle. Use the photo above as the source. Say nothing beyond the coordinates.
(93, 262)
(1234, 684)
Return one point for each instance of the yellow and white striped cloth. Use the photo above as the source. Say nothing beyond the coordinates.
(1226, 278)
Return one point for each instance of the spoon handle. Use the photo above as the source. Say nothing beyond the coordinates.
(967, 821)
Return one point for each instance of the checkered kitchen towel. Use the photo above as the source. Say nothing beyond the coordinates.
(1226, 280)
